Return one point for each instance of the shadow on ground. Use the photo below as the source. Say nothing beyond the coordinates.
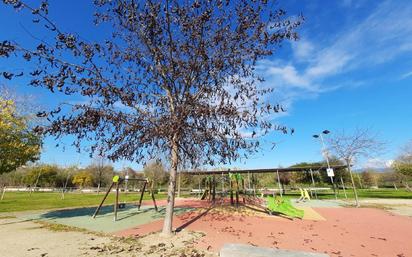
(128, 217)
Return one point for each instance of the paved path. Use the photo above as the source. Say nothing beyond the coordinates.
(386, 201)
(241, 250)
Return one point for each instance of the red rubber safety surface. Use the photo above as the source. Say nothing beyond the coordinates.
(345, 232)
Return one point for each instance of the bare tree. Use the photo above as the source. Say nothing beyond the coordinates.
(351, 146)
(175, 77)
(99, 163)
(155, 172)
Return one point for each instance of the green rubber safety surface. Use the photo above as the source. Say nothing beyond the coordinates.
(128, 217)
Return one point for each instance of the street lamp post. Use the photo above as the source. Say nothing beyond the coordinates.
(325, 154)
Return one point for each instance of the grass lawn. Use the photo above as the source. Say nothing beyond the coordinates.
(22, 201)
(362, 193)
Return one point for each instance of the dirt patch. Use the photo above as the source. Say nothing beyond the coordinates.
(27, 238)
(397, 206)
(7, 217)
(153, 245)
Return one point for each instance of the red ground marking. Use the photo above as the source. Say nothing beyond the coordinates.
(346, 231)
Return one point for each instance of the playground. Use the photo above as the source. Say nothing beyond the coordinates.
(326, 226)
(241, 214)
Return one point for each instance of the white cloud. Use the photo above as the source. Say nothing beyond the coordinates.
(406, 75)
(289, 75)
(381, 37)
(303, 49)
(377, 163)
(328, 62)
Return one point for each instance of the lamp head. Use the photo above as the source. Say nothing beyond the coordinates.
(315, 136)
(326, 132)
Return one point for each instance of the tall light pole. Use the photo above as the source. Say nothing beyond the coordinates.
(325, 154)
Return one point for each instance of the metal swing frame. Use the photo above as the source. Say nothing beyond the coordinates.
(117, 181)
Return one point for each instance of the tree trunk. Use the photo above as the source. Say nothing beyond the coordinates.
(3, 192)
(35, 184)
(168, 221)
(179, 184)
(360, 181)
(353, 184)
(406, 185)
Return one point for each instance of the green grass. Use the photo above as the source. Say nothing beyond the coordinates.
(387, 193)
(22, 201)
(284, 206)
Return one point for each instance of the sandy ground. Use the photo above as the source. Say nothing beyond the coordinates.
(26, 238)
(397, 206)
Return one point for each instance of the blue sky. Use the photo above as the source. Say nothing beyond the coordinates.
(351, 68)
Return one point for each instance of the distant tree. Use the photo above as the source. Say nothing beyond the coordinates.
(132, 173)
(176, 78)
(389, 178)
(14, 178)
(101, 171)
(156, 172)
(369, 178)
(285, 179)
(83, 179)
(306, 177)
(99, 163)
(349, 147)
(403, 165)
(41, 175)
(65, 176)
(18, 145)
(321, 176)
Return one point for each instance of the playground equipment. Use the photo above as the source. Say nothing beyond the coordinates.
(116, 182)
(237, 184)
(210, 190)
(304, 195)
(236, 188)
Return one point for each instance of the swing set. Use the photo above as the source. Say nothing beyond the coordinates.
(116, 182)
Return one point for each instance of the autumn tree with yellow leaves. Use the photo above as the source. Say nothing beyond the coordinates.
(18, 144)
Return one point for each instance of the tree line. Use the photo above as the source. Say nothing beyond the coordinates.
(93, 175)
